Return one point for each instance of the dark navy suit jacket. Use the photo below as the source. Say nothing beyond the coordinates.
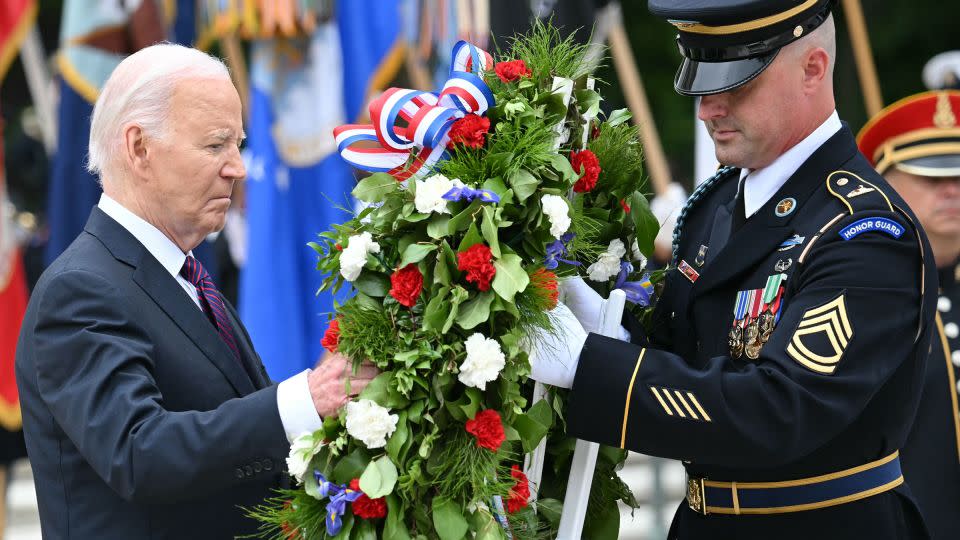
(139, 422)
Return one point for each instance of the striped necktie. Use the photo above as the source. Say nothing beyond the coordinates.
(210, 301)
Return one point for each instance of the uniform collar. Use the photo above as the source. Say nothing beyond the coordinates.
(761, 184)
(162, 248)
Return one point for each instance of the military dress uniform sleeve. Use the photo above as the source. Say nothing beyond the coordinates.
(95, 371)
(850, 323)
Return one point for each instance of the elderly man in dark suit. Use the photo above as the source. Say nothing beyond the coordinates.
(147, 412)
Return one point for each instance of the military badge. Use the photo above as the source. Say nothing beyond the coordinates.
(872, 224)
(786, 207)
(688, 271)
(701, 256)
(791, 242)
(782, 265)
(755, 315)
(821, 337)
(861, 189)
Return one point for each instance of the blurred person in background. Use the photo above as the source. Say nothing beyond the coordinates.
(915, 145)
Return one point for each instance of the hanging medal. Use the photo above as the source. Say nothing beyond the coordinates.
(771, 292)
(751, 334)
(735, 340)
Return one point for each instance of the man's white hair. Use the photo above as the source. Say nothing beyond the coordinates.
(140, 91)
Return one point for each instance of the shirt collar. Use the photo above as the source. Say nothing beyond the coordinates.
(761, 184)
(162, 248)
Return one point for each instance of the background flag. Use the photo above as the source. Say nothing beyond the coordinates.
(297, 185)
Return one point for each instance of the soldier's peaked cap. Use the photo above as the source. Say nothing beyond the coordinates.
(727, 43)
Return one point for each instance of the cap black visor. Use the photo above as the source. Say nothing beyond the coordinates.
(704, 78)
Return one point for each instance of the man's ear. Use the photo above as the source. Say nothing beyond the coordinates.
(816, 65)
(136, 153)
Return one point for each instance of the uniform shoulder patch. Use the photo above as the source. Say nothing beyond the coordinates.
(822, 336)
(872, 224)
(856, 193)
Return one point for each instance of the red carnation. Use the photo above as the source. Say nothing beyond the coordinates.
(475, 261)
(488, 429)
(586, 164)
(470, 130)
(364, 506)
(406, 284)
(520, 492)
(625, 206)
(331, 338)
(545, 288)
(512, 70)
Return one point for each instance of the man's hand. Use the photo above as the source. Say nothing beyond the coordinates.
(554, 355)
(328, 383)
(583, 301)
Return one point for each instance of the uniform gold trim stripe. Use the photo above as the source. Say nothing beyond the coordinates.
(674, 403)
(915, 152)
(626, 407)
(811, 506)
(685, 405)
(663, 403)
(914, 136)
(736, 498)
(952, 379)
(697, 28)
(829, 224)
(809, 480)
(696, 404)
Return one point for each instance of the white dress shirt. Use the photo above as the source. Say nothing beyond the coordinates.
(761, 185)
(294, 402)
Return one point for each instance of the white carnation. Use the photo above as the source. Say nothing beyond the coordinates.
(430, 194)
(484, 361)
(637, 256)
(302, 450)
(370, 423)
(557, 211)
(609, 263)
(354, 256)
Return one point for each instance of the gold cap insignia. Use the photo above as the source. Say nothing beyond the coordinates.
(944, 117)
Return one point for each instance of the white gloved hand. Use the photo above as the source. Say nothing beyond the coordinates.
(554, 355)
(585, 303)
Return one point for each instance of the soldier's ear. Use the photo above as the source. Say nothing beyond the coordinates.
(816, 66)
(135, 151)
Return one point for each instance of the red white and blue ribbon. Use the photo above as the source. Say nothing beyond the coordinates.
(413, 147)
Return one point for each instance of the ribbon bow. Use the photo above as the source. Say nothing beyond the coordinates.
(339, 495)
(428, 117)
(459, 193)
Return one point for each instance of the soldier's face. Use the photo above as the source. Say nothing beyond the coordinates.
(935, 201)
(754, 124)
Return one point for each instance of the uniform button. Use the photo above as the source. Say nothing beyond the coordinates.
(257, 467)
(955, 356)
(239, 473)
(944, 304)
(268, 463)
(248, 470)
(951, 330)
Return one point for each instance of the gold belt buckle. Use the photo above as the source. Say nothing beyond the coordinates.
(696, 495)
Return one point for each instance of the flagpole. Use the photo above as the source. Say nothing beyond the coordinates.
(40, 83)
(238, 69)
(866, 68)
(636, 97)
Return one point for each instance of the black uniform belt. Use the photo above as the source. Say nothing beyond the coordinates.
(711, 497)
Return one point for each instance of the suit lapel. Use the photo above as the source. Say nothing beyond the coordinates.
(169, 296)
(247, 352)
(765, 230)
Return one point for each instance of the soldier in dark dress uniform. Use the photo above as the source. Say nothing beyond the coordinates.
(915, 144)
(786, 355)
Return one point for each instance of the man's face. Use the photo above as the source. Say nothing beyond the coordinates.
(754, 124)
(935, 201)
(196, 165)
